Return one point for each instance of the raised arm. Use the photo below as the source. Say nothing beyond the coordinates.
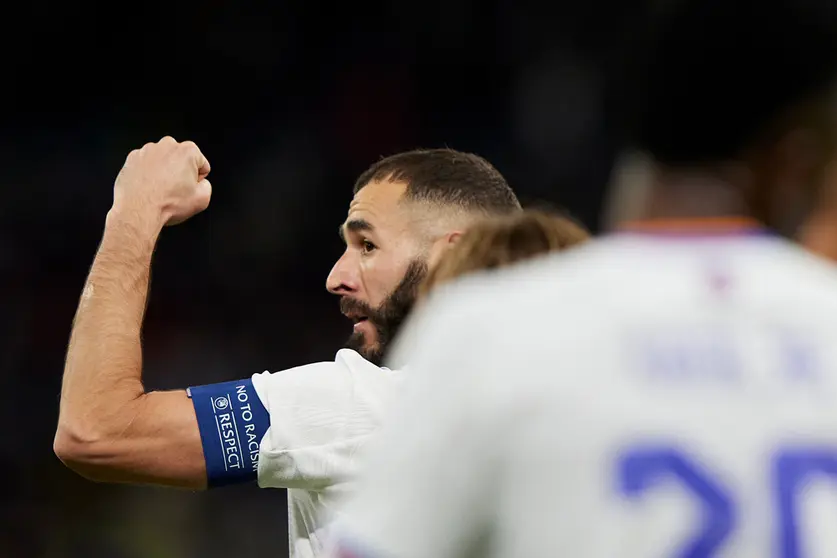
(109, 428)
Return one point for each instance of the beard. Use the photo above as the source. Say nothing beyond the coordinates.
(388, 317)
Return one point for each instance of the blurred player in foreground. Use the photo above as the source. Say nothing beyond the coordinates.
(670, 390)
(298, 429)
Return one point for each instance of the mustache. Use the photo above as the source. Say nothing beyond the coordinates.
(353, 306)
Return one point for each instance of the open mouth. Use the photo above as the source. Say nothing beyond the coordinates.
(359, 321)
(355, 311)
(357, 318)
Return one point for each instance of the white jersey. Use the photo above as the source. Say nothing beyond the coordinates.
(321, 415)
(640, 397)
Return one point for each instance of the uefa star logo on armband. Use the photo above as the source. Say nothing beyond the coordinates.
(221, 403)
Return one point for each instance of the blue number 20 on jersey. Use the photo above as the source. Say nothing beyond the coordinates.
(640, 468)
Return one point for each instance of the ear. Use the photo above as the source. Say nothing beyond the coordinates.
(453, 237)
(441, 245)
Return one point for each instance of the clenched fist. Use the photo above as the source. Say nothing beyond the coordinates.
(165, 180)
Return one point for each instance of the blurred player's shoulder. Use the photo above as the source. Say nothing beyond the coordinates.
(615, 269)
(623, 281)
(484, 303)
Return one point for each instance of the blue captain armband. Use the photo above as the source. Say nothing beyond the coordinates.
(232, 421)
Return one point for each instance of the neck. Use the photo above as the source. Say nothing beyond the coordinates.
(692, 195)
(819, 235)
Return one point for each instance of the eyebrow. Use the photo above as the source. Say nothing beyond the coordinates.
(355, 225)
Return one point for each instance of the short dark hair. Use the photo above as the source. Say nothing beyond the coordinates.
(715, 76)
(447, 177)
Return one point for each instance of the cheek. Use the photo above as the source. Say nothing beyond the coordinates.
(381, 275)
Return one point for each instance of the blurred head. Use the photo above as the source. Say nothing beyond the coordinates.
(736, 105)
(406, 211)
(500, 242)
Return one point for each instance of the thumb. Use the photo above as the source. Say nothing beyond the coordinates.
(203, 193)
(200, 161)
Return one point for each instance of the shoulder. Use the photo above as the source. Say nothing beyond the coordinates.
(799, 269)
(346, 374)
(474, 331)
(346, 362)
(486, 301)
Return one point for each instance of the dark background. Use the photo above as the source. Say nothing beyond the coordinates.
(290, 101)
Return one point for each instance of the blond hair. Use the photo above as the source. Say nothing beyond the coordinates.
(501, 241)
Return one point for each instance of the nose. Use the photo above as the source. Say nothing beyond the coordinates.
(344, 276)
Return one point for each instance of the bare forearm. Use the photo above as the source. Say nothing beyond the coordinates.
(109, 428)
(103, 371)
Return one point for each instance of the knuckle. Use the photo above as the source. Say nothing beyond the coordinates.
(131, 158)
(167, 139)
(190, 148)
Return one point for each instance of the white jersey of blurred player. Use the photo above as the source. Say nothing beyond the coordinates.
(646, 395)
(321, 416)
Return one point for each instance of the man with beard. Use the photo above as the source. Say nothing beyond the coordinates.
(300, 428)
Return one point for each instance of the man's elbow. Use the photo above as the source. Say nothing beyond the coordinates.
(84, 453)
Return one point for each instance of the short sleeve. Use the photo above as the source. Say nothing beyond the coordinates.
(320, 415)
(426, 488)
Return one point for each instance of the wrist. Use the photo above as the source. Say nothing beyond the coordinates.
(130, 235)
(146, 225)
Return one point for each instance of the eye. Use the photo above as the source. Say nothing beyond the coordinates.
(367, 247)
